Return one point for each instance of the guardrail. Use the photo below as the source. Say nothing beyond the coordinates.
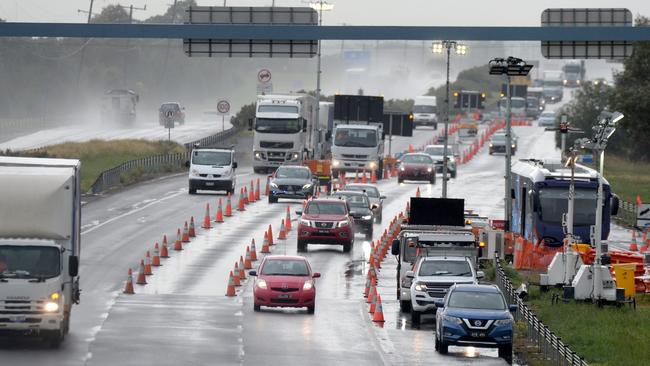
(549, 345)
(114, 177)
(627, 212)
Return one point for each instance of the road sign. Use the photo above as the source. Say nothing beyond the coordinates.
(643, 215)
(223, 107)
(250, 16)
(581, 18)
(169, 119)
(264, 76)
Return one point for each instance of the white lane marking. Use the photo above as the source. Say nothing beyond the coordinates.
(131, 212)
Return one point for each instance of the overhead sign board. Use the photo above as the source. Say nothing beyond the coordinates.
(244, 15)
(595, 17)
(643, 215)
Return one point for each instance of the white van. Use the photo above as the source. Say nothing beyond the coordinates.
(212, 170)
(425, 111)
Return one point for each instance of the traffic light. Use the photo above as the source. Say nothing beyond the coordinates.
(481, 100)
(410, 116)
(457, 97)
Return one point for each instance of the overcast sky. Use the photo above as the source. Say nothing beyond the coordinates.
(354, 12)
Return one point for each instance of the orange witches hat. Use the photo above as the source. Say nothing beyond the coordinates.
(192, 230)
(206, 217)
(128, 287)
(229, 206)
(219, 217)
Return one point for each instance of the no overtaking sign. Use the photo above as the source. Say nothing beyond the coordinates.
(223, 106)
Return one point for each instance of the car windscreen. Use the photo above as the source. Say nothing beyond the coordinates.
(476, 300)
(355, 137)
(277, 125)
(271, 108)
(370, 191)
(354, 200)
(216, 158)
(295, 173)
(417, 159)
(436, 150)
(29, 261)
(445, 268)
(553, 204)
(424, 109)
(325, 208)
(170, 107)
(498, 137)
(285, 267)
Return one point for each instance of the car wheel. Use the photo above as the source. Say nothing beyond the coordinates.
(347, 246)
(505, 352)
(453, 174)
(415, 317)
(311, 309)
(257, 307)
(273, 199)
(302, 246)
(432, 180)
(192, 190)
(443, 347)
(405, 306)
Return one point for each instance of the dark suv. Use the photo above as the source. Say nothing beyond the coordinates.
(360, 210)
(290, 181)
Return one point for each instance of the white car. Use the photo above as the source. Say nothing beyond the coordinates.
(546, 119)
(437, 152)
(212, 170)
(432, 278)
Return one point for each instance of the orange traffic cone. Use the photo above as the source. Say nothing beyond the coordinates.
(241, 203)
(372, 293)
(257, 190)
(230, 291)
(266, 189)
(237, 279)
(206, 217)
(364, 179)
(251, 194)
(265, 244)
(142, 279)
(246, 196)
(247, 261)
(155, 261)
(128, 287)
(417, 192)
(411, 148)
(228, 206)
(219, 217)
(378, 316)
(164, 251)
(270, 231)
(192, 230)
(283, 234)
(633, 246)
(356, 177)
(287, 220)
(178, 245)
(253, 250)
(186, 233)
(373, 177)
(385, 172)
(147, 264)
(242, 272)
(373, 304)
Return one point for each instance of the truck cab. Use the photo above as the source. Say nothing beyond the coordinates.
(425, 111)
(357, 148)
(212, 170)
(39, 246)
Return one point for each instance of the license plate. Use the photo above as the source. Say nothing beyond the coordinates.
(284, 296)
(478, 334)
(323, 231)
(17, 319)
(209, 184)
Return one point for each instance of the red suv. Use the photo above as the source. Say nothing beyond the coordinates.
(326, 221)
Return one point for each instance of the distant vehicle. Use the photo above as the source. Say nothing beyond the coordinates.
(546, 119)
(497, 143)
(326, 221)
(40, 245)
(172, 112)
(425, 111)
(360, 210)
(212, 170)
(475, 315)
(118, 106)
(376, 198)
(537, 93)
(573, 74)
(600, 81)
(553, 89)
(533, 108)
(417, 166)
(437, 153)
(295, 182)
(517, 106)
(431, 278)
(284, 281)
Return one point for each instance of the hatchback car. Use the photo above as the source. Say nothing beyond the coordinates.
(360, 210)
(284, 281)
(376, 198)
(417, 166)
(475, 315)
(326, 221)
(497, 143)
(546, 119)
(291, 181)
(437, 152)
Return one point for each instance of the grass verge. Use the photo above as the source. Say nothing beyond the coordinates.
(627, 178)
(99, 155)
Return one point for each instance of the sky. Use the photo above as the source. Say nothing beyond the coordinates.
(352, 12)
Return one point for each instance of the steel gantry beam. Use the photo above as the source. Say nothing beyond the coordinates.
(284, 32)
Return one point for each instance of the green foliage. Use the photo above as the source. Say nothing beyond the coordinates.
(112, 14)
(172, 15)
(244, 115)
(404, 105)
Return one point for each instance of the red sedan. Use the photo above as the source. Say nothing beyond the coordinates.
(285, 281)
(417, 166)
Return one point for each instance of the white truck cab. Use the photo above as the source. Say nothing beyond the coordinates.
(425, 111)
(212, 170)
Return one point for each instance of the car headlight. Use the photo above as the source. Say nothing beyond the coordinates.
(308, 286)
(305, 222)
(514, 146)
(429, 170)
(344, 223)
(295, 156)
(565, 81)
(51, 307)
(307, 186)
(273, 185)
(262, 284)
(336, 163)
(194, 172)
(491, 144)
(401, 168)
(500, 322)
(257, 155)
(420, 286)
(366, 217)
(452, 319)
(372, 164)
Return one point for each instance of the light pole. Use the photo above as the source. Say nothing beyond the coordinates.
(511, 66)
(461, 49)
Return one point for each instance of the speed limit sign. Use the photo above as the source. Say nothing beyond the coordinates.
(223, 106)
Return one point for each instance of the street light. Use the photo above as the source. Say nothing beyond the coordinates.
(511, 66)
(460, 49)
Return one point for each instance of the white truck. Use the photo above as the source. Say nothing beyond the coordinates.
(425, 111)
(118, 106)
(553, 86)
(284, 130)
(358, 141)
(39, 246)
